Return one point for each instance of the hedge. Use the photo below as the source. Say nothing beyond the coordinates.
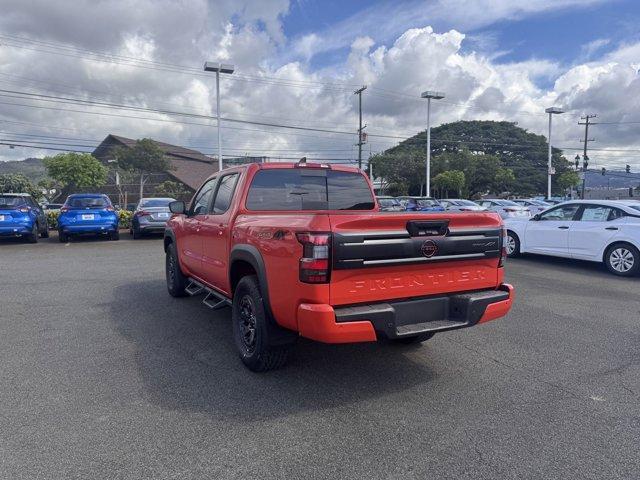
(124, 216)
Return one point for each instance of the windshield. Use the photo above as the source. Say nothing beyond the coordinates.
(156, 202)
(507, 203)
(87, 202)
(427, 202)
(8, 201)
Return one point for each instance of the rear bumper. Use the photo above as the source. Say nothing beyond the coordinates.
(15, 230)
(96, 228)
(406, 318)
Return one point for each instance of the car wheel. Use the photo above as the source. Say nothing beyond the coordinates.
(62, 237)
(249, 321)
(114, 235)
(423, 337)
(512, 244)
(622, 259)
(45, 232)
(176, 280)
(136, 233)
(33, 236)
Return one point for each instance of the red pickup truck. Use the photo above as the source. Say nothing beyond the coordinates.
(303, 250)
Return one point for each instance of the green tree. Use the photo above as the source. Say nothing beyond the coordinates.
(504, 180)
(72, 170)
(404, 171)
(143, 159)
(171, 189)
(449, 180)
(568, 179)
(18, 183)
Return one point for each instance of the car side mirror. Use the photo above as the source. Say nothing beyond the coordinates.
(536, 217)
(177, 207)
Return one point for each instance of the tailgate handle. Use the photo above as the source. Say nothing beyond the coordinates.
(427, 228)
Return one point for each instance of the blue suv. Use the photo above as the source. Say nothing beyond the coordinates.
(87, 213)
(21, 216)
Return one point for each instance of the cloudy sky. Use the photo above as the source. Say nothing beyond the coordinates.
(298, 63)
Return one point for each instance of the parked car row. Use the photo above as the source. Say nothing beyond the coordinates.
(80, 214)
(524, 207)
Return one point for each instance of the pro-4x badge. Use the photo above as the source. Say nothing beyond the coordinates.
(429, 248)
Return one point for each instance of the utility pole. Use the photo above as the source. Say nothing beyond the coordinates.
(360, 127)
(585, 158)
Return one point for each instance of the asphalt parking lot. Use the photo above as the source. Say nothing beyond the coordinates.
(104, 375)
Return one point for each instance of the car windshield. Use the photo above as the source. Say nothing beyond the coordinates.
(156, 202)
(11, 201)
(427, 202)
(87, 202)
(507, 203)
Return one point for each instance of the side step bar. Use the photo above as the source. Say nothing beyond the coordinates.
(214, 300)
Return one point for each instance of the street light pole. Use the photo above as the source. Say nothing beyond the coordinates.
(551, 111)
(429, 94)
(218, 68)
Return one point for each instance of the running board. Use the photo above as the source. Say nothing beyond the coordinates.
(214, 300)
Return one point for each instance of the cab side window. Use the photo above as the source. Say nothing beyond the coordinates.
(224, 194)
(200, 204)
(562, 213)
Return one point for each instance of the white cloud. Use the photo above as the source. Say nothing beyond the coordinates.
(250, 34)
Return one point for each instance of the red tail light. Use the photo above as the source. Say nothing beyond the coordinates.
(314, 264)
(511, 210)
(110, 209)
(503, 249)
(25, 209)
(142, 213)
(64, 209)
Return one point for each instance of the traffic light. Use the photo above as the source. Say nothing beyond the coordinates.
(628, 169)
(604, 171)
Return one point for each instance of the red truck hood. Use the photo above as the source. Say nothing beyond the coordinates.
(387, 256)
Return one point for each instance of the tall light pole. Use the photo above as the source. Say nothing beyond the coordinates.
(551, 111)
(218, 68)
(429, 94)
(360, 142)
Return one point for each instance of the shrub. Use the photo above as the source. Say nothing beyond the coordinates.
(123, 215)
(52, 219)
(125, 218)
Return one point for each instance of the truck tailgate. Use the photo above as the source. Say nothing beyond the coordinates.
(386, 256)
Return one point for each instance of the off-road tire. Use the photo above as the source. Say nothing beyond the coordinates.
(176, 280)
(250, 329)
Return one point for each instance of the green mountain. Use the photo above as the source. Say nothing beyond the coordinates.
(32, 168)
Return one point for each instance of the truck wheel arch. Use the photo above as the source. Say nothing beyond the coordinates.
(169, 237)
(240, 256)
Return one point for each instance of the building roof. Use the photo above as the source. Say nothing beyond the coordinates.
(190, 167)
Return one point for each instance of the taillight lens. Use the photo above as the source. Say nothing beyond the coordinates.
(25, 209)
(110, 209)
(503, 249)
(142, 213)
(314, 264)
(64, 209)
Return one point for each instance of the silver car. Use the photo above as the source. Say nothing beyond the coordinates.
(535, 206)
(150, 216)
(461, 205)
(505, 208)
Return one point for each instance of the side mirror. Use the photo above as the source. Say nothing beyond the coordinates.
(536, 217)
(177, 207)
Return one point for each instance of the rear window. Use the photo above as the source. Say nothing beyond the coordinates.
(9, 201)
(157, 202)
(507, 203)
(309, 189)
(87, 202)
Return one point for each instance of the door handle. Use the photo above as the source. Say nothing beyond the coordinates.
(563, 227)
(611, 228)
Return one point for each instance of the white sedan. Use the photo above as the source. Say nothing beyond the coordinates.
(597, 230)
